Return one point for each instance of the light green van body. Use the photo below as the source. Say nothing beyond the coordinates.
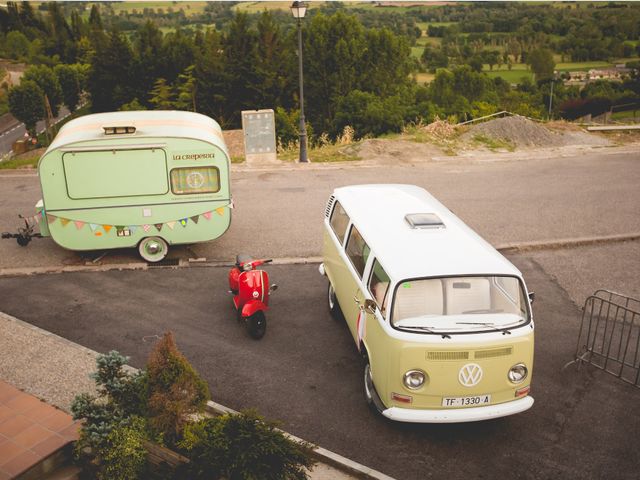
(169, 179)
(445, 357)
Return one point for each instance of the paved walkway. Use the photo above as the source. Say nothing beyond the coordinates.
(30, 430)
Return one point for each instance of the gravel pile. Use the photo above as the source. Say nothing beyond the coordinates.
(518, 131)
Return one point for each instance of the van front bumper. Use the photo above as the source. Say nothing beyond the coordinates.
(458, 415)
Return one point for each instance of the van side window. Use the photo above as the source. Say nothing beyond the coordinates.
(378, 286)
(339, 221)
(357, 250)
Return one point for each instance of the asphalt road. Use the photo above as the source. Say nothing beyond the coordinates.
(507, 198)
(16, 131)
(306, 371)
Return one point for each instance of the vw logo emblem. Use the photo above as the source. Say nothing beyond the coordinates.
(470, 375)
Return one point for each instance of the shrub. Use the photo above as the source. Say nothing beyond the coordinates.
(123, 454)
(243, 446)
(175, 390)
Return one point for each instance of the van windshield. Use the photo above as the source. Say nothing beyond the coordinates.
(460, 304)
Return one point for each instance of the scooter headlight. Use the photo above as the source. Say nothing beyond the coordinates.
(414, 379)
(517, 373)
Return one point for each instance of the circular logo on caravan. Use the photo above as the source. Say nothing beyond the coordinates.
(195, 180)
(470, 375)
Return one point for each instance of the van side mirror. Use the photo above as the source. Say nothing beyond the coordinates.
(369, 306)
(532, 296)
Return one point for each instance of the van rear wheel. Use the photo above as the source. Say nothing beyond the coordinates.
(153, 249)
(334, 306)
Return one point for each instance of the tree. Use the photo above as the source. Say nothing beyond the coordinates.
(110, 76)
(26, 103)
(175, 390)
(69, 80)
(48, 82)
(162, 95)
(541, 63)
(17, 45)
(186, 90)
(211, 80)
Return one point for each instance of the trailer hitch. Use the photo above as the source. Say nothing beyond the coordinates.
(24, 234)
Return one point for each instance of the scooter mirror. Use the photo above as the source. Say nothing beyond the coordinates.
(273, 288)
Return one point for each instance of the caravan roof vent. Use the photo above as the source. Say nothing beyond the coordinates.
(119, 130)
(424, 220)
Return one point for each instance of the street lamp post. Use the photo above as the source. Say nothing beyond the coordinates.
(298, 9)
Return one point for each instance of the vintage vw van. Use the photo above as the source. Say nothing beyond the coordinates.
(442, 320)
(146, 179)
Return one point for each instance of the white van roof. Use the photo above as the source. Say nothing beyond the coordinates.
(151, 123)
(378, 212)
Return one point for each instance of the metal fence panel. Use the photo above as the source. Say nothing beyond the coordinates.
(609, 337)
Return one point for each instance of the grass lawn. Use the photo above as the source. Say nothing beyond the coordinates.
(511, 76)
(328, 153)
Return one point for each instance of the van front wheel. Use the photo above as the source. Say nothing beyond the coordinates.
(370, 394)
(153, 249)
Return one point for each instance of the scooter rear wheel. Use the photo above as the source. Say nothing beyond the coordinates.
(257, 325)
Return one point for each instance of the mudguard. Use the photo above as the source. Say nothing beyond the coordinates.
(252, 307)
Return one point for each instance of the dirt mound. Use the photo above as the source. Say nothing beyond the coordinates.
(522, 132)
(516, 130)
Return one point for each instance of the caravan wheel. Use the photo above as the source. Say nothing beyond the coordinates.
(153, 249)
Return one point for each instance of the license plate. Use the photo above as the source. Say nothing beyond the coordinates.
(466, 401)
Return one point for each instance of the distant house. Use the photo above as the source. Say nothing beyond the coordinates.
(615, 74)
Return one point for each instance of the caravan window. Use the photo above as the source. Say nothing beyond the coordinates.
(188, 180)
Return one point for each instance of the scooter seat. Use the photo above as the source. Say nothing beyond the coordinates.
(243, 258)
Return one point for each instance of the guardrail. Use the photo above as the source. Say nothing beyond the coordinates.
(609, 337)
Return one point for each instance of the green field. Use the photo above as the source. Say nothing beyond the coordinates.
(190, 8)
(511, 76)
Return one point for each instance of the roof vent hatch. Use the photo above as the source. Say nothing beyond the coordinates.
(424, 221)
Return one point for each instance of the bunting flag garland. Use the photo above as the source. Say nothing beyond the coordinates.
(125, 230)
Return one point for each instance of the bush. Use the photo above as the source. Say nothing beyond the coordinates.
(124, 455)
(175, 390)
(243, 446)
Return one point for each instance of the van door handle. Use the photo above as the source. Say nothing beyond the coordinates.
(355, 299)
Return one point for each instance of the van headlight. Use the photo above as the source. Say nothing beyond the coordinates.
(414, 379)
(517, 373)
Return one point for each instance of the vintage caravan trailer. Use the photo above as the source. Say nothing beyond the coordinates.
(443, 321)
(145, 179)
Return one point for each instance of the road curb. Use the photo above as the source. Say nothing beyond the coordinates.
(321, 454)
(518, 247)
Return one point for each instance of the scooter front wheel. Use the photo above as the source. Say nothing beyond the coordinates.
(257, 325)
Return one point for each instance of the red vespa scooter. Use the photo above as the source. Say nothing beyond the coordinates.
(250, 288)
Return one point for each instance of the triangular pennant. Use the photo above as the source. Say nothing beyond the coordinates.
(231, 204)
(51, 218)
(183, 222)
(146, 227)
(207, 215)
(64, 221)
(158, 226)
(171, 225)
(195, 218)
(220, 211)
(93, 227)
(107, 228)
(79, 224)
(42, 214)
(133, 228)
